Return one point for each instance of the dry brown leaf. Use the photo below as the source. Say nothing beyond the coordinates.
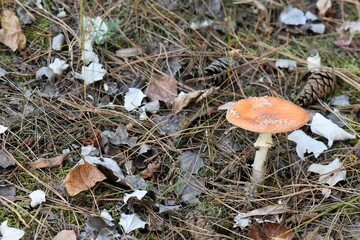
(277, 231)
(151, 169)
(163, 88)
(270, 231)
(256, 233)
(65, 235)
(49, 162)
(83, 177)
(182, 101)
(11, 33)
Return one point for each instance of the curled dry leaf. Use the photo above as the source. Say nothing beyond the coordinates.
(323, 6)
(163, 88)
(65, 235)
(306, 144)
(50, 162)
(37, 197)
(184, 99)
(83, 177)
(241, 220)
(329, 174)
(9, 233)
(274, 231)
(11, 33)
(326, 128)
(131, 222)
(151, 168)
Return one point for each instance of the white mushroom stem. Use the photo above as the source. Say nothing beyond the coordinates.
(263, 143)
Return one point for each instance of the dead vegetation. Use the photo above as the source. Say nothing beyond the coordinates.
(193, 164)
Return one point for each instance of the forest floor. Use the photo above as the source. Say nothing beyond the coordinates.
(194, 166)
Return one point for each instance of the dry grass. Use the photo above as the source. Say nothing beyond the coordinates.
(43, 127)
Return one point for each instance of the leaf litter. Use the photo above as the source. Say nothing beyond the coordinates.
(158, 153)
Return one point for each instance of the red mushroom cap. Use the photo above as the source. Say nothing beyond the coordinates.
(267, 115)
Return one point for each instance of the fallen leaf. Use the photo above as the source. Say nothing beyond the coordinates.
(190, 162)
(50, 162)
(133, 98)
(317, 28)
(98, 228)
(92, 73)
(65, 235)
(45, 74)
(131, 222)
(163, 88)
(58, 66)
(9, 233)
(256, 233)
(340, 101)
(7, 190)
(329, 174)
(285, 63)
(25, 16)
(326, 128)
(270, 231)
(135, 182)
(304, 144)
(37, 197)
(2, 72)
(120, 136)
(189, 187)
(201, 22)
(277, 231)
(184, 99)
(96, 28)
(57, 42)
(323, 6)
(152, 167)
(314, 63)
(170, 124)
(225, 106)
(241, 220)
(11, 33)
(139, 194)
(353, 27)
(109, 164)
(292, 16)
(164, 208)
(2, 129)
(89, 150)
(5, 160)
(105, 215)
(83, 177)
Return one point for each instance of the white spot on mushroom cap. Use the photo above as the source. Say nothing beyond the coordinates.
(235, 113)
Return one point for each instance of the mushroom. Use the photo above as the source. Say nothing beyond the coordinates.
(265, 115)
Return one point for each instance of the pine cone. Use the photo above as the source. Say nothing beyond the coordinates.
(218, 66)
(319, 86)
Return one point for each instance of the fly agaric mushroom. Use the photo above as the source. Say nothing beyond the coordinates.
(265, 115)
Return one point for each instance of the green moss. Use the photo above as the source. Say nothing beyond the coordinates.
(208, 207)
(5, 58)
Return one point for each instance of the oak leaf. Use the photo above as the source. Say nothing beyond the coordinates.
(83, 177)
(11, 33)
